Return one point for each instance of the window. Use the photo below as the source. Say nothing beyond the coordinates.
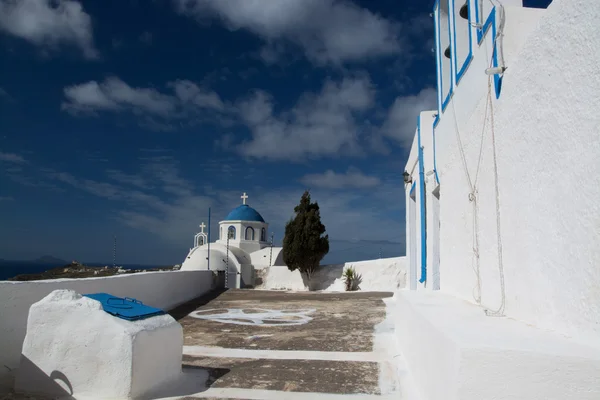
(462, 37)
(231, 232)
(263, 235)
(536, 3)
(444, 53)
(249, 233)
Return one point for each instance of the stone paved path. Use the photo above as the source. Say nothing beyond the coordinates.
(250, 344)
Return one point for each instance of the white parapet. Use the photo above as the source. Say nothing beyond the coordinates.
(454, 351)
(74, 348)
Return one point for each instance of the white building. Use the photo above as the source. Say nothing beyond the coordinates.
(243, 246)
(502, 187)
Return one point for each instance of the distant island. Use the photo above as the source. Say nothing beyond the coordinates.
(76, 269)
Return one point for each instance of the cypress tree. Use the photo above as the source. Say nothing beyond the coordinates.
(303, 245)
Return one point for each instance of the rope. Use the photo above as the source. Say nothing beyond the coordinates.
(473, 196)
(475, 261)
(500, 311)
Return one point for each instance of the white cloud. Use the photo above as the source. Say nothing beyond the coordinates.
(335, 121)
(115, 95)
(401, 121)
(12, 158)
(352, 178)
(329, 31)
(48, 23)
(189, 93)
(319, 124)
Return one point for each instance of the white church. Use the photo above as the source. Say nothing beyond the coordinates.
(243, 246)
(502, 218)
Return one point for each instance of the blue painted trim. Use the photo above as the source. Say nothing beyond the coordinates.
(422, 205)
(412, 189)
(491, 19)
(461, 71)
(490, 22)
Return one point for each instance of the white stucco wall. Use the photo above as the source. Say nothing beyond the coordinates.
(197, 258)
(74, 348)
(164, 290)
(547, 145)
(240, 240)
(386, 274)
(260, 259)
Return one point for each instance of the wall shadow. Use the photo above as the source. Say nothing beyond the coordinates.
(184, 309)
(324, 276)
(192, 380)
(214, 373)
(31, 380)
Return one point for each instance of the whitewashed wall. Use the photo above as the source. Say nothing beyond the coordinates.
(164, 290)
(546, 128)
(386, 274)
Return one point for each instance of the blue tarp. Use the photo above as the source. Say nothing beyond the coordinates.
(125, 308)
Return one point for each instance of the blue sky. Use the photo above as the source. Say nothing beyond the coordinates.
(132, 117)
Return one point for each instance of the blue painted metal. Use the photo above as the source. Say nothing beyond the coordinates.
(125, 308)
(460, 71)
(412, 188)
(422, 206)
(244, 213)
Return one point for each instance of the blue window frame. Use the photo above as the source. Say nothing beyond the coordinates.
(489, 24)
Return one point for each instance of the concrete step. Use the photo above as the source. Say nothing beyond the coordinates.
(454, 351)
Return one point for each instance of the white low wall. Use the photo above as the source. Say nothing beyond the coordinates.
(382, 275)
(164, 290)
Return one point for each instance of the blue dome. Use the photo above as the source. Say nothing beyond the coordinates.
(244, 213)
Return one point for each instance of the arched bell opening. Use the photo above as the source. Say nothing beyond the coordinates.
(464, 11)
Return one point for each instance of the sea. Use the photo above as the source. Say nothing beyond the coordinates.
(9, 269)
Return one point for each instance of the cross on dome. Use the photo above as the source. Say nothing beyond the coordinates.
(244, 197)
(202, 226)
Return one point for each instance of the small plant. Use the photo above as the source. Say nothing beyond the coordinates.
(352, 279)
